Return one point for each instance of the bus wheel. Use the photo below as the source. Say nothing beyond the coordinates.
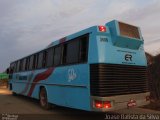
(43, 99)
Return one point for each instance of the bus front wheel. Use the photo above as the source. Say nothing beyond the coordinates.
(43, 99)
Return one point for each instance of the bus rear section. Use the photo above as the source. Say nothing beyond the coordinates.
(118, 68)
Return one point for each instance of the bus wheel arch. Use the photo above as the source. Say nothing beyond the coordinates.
(43, 99)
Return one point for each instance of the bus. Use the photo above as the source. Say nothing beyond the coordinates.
(101, 68)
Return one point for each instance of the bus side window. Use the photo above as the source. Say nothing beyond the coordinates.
(31, 62)
(17, 66)
(40, 60)
(23, 64)
(72, 52)
(50, 53)
(27, 63)
(57, 55)
(45, 54)
(64, 54)
(84, 49)
(35, 61)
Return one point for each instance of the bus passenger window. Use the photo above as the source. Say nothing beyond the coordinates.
(27, 63)
(23, 64)
(72, 52)
(83, 49)
(13, 69)
(45, 54)
(40, 60)
(31, 62)
(64, 54)
(35, 61)
(17, 66)
(57, 56)
(50, 53)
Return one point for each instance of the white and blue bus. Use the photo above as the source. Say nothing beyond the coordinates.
(102, 68)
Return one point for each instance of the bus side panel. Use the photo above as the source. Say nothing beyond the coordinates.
(36, 91)
(66, 86)
(23, 87)
(69, 86)
(72, 97)
(19, 85)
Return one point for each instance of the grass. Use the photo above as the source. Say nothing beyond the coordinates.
(3, 76)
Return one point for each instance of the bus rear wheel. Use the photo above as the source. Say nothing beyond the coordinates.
(43, 99)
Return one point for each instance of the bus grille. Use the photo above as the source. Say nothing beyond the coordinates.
(114, 79)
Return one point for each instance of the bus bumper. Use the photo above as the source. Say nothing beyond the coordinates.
(119, 102)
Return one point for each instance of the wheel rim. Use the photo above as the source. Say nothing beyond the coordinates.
(43, 98)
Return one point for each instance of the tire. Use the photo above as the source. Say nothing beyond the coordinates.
(43, 99)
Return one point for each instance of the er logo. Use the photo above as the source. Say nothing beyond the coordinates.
(128, 57)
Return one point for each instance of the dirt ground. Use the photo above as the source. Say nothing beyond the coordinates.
(25, 108)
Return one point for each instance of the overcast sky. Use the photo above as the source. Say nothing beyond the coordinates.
(27, 26)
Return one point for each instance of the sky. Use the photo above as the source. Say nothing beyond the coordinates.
(27, 26)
